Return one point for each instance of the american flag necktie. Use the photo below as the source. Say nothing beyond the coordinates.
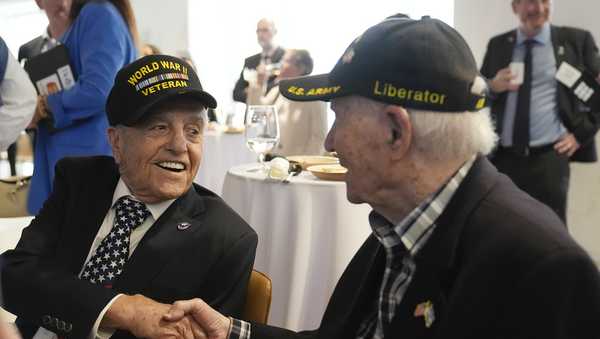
(107, 263)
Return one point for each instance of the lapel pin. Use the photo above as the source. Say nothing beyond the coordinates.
(426, 311)
(561, 50)
(182, 226)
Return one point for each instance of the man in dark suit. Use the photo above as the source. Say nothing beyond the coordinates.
(121, 238)
(541, 123)
(263, 63)
(457, 250)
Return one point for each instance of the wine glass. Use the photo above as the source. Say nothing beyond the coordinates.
(262, 130)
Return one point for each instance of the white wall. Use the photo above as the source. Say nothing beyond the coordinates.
(24, 15)
(163, 23)
(479, 20)
(222, 33)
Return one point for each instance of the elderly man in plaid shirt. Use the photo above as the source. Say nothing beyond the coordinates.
(457, 250)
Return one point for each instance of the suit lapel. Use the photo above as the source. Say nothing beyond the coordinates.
(505, 53)
(436, 263)
(161, 241)
(558, 45)
(90, 216)
(355, 293)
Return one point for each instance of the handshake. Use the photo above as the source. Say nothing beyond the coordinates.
(146, 318)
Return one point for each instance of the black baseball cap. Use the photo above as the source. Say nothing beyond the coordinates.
(149, 80)
(423, 64)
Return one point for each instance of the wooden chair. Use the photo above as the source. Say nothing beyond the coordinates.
(258, 298)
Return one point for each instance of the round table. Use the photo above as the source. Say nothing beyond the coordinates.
(221, 152)
(307, 234)
(10, 231)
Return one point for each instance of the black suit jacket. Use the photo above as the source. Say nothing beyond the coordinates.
(499, 265)
(212, 259)
(31, 48)
(575, 46)
(239, 91)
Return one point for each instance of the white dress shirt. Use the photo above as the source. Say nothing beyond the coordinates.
(17, 102)
(156, 210)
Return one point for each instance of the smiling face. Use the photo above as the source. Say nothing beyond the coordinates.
(533, 14)
(159, 157)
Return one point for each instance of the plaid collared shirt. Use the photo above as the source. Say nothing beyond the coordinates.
(402, 242)
(239, 329)
(409, 236)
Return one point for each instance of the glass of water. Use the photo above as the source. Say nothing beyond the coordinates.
(262, 130)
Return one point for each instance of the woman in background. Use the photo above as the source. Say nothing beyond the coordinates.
(303, 125)
(101, 39)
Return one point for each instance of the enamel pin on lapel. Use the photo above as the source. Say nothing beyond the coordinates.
(426, 311)
(561, 50)
(182, 226)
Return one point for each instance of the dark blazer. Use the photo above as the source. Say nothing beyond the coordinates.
(212, 259)
(499, 265)
(573, 45)
(239, 93)
(31, 48)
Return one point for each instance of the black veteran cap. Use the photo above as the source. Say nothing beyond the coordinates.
(423, 64)
(149, 80)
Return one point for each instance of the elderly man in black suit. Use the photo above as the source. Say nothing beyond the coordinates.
(121, 238)
(457, 250)
(269, 56)
(541, 123)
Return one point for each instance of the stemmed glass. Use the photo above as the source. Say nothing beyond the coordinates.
(262, 130)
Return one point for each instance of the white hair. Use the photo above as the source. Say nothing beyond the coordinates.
(444, 136)
(452, 135)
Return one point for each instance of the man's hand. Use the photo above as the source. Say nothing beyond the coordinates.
(214, 324)
(567, 144)
(143, 318)
(502, 81)
(41, 111)
(8, 331)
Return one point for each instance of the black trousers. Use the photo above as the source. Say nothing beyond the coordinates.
(543, 174)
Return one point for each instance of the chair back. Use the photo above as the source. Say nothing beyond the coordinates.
(258, 298)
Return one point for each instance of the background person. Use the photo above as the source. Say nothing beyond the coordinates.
(270, 55)
(303, 125)
(17, 97)
(101, 38)
(541, 123)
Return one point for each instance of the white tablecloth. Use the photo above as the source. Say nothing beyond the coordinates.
(10, 231)
(307, 234)
(221, 152)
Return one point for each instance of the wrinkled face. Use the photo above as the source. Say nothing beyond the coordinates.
(265, 31)
(356, 135)
(55, 9)
(289, 68)
(533, 14)
(159, 157)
